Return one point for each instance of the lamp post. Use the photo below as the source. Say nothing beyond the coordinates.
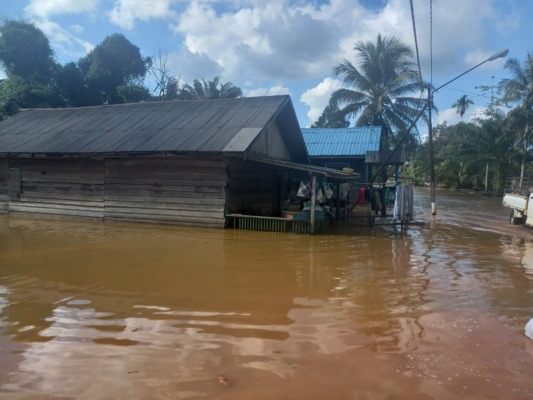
(431, 92)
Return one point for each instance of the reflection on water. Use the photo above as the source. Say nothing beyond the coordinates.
(92, 310)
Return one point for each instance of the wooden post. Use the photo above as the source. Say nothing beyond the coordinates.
(487, 178)
(337, 200)
(313, 199)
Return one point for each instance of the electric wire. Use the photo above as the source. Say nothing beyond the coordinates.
(416, 40)
(431, 42)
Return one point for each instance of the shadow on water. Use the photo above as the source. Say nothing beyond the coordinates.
(122, 311)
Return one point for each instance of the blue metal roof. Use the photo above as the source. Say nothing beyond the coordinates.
(330, 142)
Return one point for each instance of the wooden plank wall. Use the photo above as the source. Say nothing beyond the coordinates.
(4, 197)
(184, 190)
(177, 190)
(63, 186)
(271, 144)
(252, 189)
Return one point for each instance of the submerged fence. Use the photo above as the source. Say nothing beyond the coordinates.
(271, 224)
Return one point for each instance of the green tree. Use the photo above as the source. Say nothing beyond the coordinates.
(28, 62)
(519, 90)
(450, 152)
(71, 86)
(465, 153)
(172, 89)
(25, 51)
(209, 90)
(462, 104)
(114, 63)
(331, 117)
(133, 93)
(492, 147)
(379, 91)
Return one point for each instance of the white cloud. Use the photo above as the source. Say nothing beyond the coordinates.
(451, 117)
(277, 43)
(126, 12)
(189, 66)
(458, 29)
(475, 57)
(282, 40)
(271, 91)
(47, 8)
(64, 41)
(318, 97)
(448, 115)
(272, 40)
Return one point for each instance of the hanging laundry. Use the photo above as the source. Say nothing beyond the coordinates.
(361, 199)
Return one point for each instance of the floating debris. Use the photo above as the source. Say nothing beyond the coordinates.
(224, 380)
(529, 328)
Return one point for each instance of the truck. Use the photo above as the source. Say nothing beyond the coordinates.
(518, 196)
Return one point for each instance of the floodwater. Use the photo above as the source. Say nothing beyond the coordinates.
(92, 310)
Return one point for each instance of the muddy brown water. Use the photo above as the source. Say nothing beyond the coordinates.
(92, 310)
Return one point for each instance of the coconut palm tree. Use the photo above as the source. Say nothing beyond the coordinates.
(519, 89)
(378, 92)
(210, 90)
(462, 104)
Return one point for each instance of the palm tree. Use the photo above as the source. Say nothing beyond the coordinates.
(519, 89)
(492, 144)
(462, 104)
(210, 90)
(331, 118)
(377, 92)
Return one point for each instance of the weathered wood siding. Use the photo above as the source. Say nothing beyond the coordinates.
(4, 197)
(184, 190)
(177, 190)
(271, 144)
(255, 189)
(62, 186)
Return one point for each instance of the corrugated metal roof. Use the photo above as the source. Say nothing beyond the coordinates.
(226, 125)
(329, 142)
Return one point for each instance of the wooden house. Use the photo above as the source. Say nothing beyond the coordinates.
(183, 162)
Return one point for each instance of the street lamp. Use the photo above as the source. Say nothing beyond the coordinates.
(431, 92)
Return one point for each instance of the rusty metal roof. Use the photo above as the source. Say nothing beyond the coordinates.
(205, 126)
(339, 142)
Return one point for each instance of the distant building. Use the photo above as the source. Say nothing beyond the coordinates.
(357, 148)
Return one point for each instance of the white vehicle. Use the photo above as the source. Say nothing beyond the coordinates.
(518, 196)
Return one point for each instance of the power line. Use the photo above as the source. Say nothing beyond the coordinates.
(416, 40)
(431, 42)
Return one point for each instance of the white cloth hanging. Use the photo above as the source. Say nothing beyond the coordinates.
(403, 203)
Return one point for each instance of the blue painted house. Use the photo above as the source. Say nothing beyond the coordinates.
(357, 148)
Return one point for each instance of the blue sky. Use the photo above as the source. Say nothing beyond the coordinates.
(290, 47)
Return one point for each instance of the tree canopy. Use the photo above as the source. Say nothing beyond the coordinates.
(113, 72)
(519, 90)
(462, 104)
(209, 90)
(379, 90)
(25, 51)
(331, 117)
(114, 63)
(29, 64)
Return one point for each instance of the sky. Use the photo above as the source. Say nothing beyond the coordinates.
(290, 46)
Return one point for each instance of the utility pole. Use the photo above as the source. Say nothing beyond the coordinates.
(432, 183)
